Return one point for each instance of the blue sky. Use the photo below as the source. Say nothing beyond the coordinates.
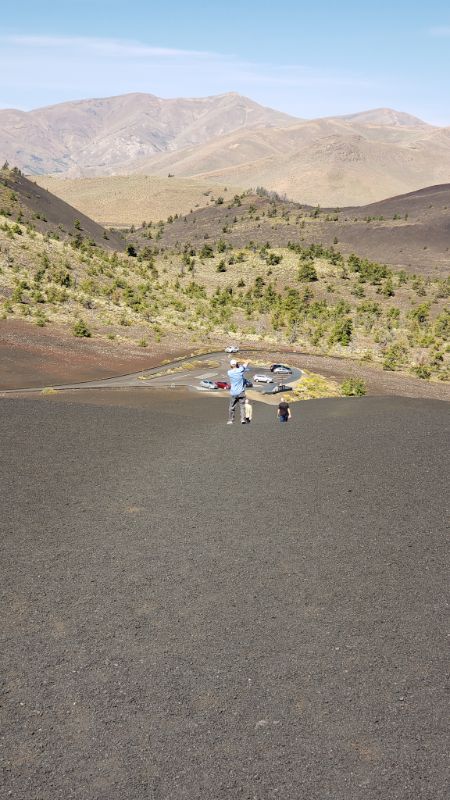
(306, 58)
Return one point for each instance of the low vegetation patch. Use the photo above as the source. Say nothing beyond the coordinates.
(353, 387)
(313, 387)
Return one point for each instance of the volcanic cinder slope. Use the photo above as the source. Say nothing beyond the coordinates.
(32, 204)
(173, 631)
(411, 231)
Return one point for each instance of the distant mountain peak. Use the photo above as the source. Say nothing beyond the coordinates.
(385, 116)
(102, 134)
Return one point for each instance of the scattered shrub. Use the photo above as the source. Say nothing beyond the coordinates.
(307, 273)
(80, 329)
(422, 371)
(353, 387)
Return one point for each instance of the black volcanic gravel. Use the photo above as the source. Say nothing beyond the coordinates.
(195, 610)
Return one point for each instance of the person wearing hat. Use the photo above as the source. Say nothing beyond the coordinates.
(237, 390)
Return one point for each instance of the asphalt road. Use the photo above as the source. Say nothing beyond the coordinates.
(202, 611)
(165, 376)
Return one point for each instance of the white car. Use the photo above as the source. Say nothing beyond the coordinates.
(205, 384)
(262, 379)
(232, 349)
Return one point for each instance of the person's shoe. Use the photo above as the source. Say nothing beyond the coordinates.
(230, 422)
(243, 422)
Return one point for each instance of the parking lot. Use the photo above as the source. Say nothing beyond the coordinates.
(194, 373)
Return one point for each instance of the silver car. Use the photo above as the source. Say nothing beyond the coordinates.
(282, 370)
(262, 378)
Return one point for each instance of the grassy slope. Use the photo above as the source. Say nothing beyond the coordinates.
(128, 200)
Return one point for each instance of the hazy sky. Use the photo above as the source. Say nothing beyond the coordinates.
(306, 58)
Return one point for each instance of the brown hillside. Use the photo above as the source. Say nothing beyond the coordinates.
(386, 116)
(230, 140)
(103, 136)
(331, 162)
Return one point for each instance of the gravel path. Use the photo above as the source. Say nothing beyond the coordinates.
(195, 610)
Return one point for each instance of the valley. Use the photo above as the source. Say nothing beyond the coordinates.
(224, 397)
(248, 269)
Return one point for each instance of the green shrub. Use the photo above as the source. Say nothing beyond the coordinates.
(421, 371)
(276, 258)
(394, 357)
(80, 329)
(353, 387)
(442, 324)
(342, 332)
(206, 251)
(420, 313)
(307, 272)
(41, 319)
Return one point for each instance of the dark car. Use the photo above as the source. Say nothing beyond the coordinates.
(223, 385)
(280, 387)
(248, 384)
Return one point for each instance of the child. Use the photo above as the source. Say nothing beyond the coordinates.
(284, 412)
(248, 410)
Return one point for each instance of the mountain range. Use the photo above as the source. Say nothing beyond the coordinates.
(354, 159)
(104, 136)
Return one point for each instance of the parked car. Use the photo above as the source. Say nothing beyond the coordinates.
(248, 384)
(273, 367)
(279, 387)
(232, 348)
(282, 370)
(262, 379)
(205, 384)
(222, 385)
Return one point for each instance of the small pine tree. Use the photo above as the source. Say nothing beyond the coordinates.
(80, 329)
(388, 288)
(307, 272)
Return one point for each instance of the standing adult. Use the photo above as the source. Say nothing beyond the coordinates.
(284, 412)
(237, 390)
